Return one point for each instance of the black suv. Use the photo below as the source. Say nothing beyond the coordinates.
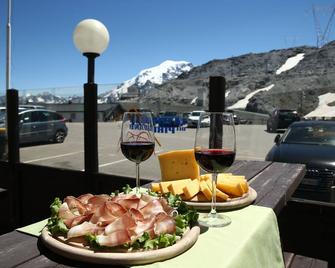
(281, 119)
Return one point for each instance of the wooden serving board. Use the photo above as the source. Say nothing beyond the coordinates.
(234, 203)
(85, 254)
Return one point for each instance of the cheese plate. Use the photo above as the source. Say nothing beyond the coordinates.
(234, 203)
(78, 251)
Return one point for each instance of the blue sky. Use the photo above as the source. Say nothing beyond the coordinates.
(144, 33)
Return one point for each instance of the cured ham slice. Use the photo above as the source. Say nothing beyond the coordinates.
(114, 239)
(136, 214)
(129, 202)
(116, 220)
(64, 212)
(169, 210)
(84, 229)
(115, 209)
(75, 205)
(143, 226)
(97, 201)
(85, 197)
(152, 208)
(77, 220)
(164, 224)
(122, 223)
(103, 215)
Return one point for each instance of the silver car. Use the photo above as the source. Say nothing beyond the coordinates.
(39, 125)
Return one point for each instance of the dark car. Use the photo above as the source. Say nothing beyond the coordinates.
(169, 119)
(311, 143)
(39, 125)
(281, 119)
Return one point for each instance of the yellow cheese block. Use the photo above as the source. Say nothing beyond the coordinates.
(155, 187)
(179, 164)
(234, 179)
(220, 196)
(199, 197)
(233, 188)
(164, 186)
(191, 189)
(205, 190)
(205, 177)
(176, 187)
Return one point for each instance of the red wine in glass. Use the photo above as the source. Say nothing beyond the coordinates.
(137, 151)
(137, 140)
(214, 160)
(214, 150)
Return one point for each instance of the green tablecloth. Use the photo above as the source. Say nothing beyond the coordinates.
(251, 240)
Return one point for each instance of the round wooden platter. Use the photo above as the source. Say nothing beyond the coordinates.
(81, 253)
(231, 204)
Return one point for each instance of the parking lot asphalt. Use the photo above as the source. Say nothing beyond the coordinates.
(253, 142)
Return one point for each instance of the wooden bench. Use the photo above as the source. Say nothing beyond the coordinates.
(298, 261)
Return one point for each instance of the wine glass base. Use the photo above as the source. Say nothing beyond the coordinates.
(214, 220)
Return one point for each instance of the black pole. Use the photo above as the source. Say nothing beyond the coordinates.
(13, 126)
(90, 122)
(217, 90)
(13, 154)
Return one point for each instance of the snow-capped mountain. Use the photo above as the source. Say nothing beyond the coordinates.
(44, 97)
(166, 71)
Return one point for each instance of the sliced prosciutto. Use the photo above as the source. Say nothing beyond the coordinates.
(116, 220)
(114, 239)
(84, 229)
(152, 208)
(164, 224)
(124, 222)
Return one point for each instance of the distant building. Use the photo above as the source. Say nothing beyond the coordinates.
(74, 112)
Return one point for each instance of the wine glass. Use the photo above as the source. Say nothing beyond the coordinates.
(137, 139)
(215, 148)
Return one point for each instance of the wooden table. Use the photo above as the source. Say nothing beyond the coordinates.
(274, 182)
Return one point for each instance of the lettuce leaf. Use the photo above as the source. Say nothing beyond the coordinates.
(55, 225)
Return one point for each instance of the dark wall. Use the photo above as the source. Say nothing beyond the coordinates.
(308, 229)
(39, 185)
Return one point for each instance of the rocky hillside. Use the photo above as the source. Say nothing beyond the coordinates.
(286, 78)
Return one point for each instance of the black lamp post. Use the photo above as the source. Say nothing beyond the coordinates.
(91, 38)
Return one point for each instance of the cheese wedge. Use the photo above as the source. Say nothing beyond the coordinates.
(232, 178)
(179, 164)
(233, 188)
(164, 186)
(176, 187)
(205, 190)
(205, 177)
(220, 196)
(191, 189)
(155, 187)
(199, 197)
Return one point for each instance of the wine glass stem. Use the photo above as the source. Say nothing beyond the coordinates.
(137, 178)
(213, 204)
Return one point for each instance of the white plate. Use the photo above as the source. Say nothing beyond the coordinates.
(234, 203)
(84, 254)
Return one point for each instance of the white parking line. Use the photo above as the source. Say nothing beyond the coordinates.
(112, 163)
(51, 157)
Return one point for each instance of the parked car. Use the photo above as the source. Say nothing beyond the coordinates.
(281, 119)
(169, 119)
(193, 119)
(39, 125)
(311, 143)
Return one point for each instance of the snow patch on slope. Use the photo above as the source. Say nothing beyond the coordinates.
(242, 104)
(323, 109)
(290, 63)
